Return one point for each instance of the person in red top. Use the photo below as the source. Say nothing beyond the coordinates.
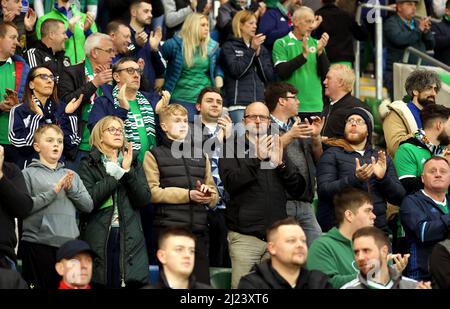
(74, 265)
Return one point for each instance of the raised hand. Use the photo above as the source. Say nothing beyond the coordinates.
(127, 157)
(194, 5)
(141, 38)
(400, 262)
(73, 105)
(363, 172)
(262, 8)
(103, 75)
(163, 102)
(422, 285)
(263, 146)
(316, 125)
(11, 97)
(155, 38)
(73, 21)
(68, 180)
(317, 21)
(276, 153)
(305, 46)
(123, 98)
(202, 193)
(88, 21)
(379, 166)
(425, 24)
(30, 19)
(257, 41)
(322, 43)
(35, 108)
(226, 125)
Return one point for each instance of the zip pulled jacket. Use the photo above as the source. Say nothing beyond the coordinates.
(246, 74)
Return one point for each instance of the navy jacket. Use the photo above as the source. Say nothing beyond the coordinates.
(442, 37)
(336, 170)
(245, 73)
(425, 225)
(274, 25)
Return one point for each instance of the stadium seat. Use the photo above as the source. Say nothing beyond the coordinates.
(153, 274)
(220, 277)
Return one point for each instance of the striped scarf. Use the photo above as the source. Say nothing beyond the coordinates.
(148, 117)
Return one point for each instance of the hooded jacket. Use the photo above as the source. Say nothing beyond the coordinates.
(336, 170)
(264, 276)
(52, 220)
(332, 254)
(398, 124)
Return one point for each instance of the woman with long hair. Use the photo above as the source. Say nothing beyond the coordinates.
(247, 65)
(191, 62)
(40, 105)
(115, 179)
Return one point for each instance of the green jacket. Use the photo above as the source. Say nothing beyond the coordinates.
(75, 44)
(333, 255)
(129, 194)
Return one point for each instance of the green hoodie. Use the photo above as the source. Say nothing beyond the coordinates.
(75, 43)
(333, 254)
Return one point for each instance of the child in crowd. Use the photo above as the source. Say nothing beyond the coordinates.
(57, 193)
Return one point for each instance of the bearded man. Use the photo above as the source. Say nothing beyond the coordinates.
(400, 120)
(430, 141)
(353, 162)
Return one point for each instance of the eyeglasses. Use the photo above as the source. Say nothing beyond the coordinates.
(291, 97)
(261, 118)
(114, 131)
(131, 70)
(109, 51)
(358, 122)
(45, 77)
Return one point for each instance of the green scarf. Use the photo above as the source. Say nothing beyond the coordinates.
(447, 17)
(275, 4)
(435, 150)
(148, 116)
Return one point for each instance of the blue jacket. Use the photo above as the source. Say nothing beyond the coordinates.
(172, 51)
(23, 123)
(274, 25)
(336, 170)
(246, 74)
(425, 225)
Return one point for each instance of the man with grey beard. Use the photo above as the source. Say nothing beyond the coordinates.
(400, 120)
(427, 142)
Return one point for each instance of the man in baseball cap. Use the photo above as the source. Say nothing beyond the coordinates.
(74, 265)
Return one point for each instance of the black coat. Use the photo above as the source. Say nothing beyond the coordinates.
(130, 193)
(245, 73)
(341, 28)
(164, 284)
(73, 83)
(442, 36)
(15, 202)
(264, 276)
(257, 195)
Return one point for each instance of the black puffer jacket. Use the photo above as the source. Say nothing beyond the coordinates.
(129, 194)
(257, 195)
(245, 73)
(181, 173)
(264, 276)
